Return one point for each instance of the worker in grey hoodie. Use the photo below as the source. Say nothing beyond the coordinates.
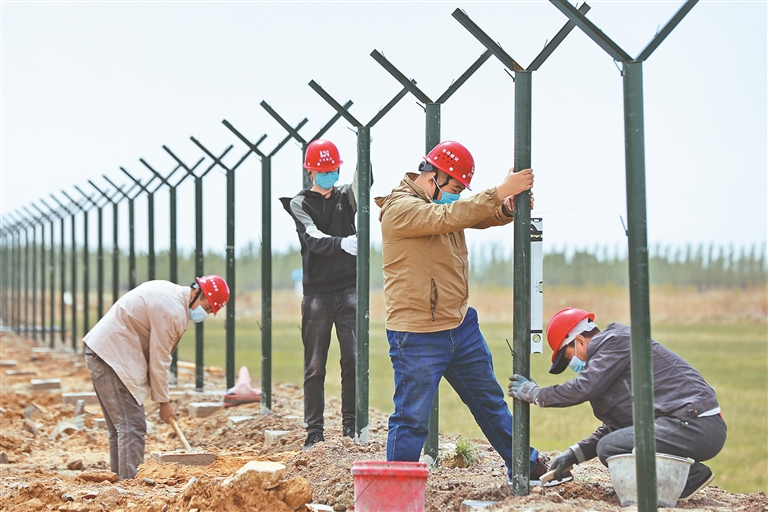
(688, 418)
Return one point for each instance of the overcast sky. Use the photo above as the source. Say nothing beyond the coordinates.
(90, 87)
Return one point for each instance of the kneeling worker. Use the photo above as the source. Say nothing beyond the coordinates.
(688, 419)
(129, 352)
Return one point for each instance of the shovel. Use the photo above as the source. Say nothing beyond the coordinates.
(190, 458)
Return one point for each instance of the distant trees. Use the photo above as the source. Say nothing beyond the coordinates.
(703, 267)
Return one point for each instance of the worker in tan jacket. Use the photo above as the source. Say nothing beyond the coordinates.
(129, 353)
(432, 331)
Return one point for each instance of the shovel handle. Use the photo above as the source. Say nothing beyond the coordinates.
(183, 439)
(549, 475)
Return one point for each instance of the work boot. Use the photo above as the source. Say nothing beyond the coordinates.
(691, 488)
(348, 430)
(312, 439)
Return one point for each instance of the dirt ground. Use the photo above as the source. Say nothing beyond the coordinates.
(53, 459)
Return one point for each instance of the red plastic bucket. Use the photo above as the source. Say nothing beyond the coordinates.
(382, 486)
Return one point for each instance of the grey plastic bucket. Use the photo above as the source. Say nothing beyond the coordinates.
(671, 475)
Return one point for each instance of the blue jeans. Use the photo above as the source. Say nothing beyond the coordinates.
(319, 313)
(461, 355)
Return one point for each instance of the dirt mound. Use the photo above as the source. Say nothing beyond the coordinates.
(53, 459)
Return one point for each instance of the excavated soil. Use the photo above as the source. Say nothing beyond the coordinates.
(53, 459)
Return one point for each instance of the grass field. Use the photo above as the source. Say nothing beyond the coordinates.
(727, 343)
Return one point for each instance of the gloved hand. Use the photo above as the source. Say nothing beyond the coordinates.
(523, 389)
(563, 463)
(349, 244)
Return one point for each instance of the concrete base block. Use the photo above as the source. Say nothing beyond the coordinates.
(7, 362)
(272, 436)
(20, 372)
(99, 423)
(188, 458)
(89, 398)
(234, 421)
(475, 505)
(204, 409)
(264, 474)
(44, 384)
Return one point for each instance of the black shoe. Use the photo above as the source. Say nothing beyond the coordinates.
(348, 431)
(312, 439)
(691, 488)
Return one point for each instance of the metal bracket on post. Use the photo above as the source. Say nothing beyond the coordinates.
(295, 133)
(537, 285)
(131, 226)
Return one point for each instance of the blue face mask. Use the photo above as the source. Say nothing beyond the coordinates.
(446, 197)
(577, 364)
(326, 180)
(198, 314)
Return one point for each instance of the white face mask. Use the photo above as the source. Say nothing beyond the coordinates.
(198, 314)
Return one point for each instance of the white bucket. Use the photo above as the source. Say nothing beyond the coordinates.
(671, 475)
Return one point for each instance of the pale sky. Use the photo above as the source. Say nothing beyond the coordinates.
(89, 87)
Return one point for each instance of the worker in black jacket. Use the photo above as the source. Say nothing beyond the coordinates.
(325, 223)
(688, 418)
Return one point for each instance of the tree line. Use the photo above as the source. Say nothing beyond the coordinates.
(702, 267)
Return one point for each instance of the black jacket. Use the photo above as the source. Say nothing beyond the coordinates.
(321, 224)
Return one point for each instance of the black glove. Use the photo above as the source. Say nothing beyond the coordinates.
(563, 463)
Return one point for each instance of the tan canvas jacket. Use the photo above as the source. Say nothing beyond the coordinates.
(426, 271)
(137, 336)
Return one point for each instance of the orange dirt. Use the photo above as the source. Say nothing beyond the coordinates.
(70, 472)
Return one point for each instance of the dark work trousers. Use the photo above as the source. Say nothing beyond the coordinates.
(698, 438)
(319, 313)
(124, 417)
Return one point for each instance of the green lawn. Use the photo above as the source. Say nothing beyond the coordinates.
(733, 359)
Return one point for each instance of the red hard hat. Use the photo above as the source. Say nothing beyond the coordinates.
(216, 291)
(561, 324)
(454, 160)
(323, 156)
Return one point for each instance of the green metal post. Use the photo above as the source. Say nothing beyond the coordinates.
(131, 245)
(640, 313)
(115, 255)
(363, 280)
(431, 445)
(230, 321)
(173, 255)
(26, 282)
(100, 264)
(86, 276)
(266, 284)
(199, 331)
(521, 363)
(52, 284)
(4, 277)
(73, 263)
(151, 235)
(63, 282)
(34, 281)
(42, 281)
